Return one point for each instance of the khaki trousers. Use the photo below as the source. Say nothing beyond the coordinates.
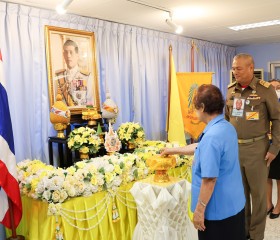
(254, 173)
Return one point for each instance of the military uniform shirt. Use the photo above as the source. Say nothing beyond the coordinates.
(260, 97)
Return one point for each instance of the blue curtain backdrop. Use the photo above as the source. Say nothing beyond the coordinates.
(133, 65)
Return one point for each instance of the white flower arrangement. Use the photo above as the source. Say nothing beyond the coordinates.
(84, 139)
(131, 132)
(55, 185)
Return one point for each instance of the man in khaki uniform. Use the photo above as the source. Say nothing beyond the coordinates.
(252, 125)
(72, 82)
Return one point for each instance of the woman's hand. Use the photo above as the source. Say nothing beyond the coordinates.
(198, 219)
(165, 151)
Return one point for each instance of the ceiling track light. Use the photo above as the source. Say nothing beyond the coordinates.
(177, 28)
(61, 8)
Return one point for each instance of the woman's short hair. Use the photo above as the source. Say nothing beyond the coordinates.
(211, 97)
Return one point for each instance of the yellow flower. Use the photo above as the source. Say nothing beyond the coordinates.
(34, 183)
(43, 174)
(131, 131)
(71, 143)
(117, 169)
(81, 129)
(109, 177)
(71, 170)
(80, 165)
(93, 180)
(140, 134)
(84, 137)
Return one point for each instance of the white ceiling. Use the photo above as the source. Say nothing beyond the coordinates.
(212, 25)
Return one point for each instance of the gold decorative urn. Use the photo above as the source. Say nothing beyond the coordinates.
(161, 164)
(60, 116)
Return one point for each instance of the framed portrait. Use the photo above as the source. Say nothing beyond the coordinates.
(72, 70)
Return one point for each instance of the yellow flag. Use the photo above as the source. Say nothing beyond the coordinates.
(175, 125)
(188, 84)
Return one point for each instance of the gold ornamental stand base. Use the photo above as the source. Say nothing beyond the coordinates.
(161, 176)
(60, 127)
(110, 153)
(92, 123)
(60, 134)
(83, 156)
(131, 145)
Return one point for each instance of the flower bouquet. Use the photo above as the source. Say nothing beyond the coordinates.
(131, 132)
(84, 139)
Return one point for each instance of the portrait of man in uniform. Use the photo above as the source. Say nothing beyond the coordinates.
(72, 81)
(238, 107)
(72, 68)
(238, 104)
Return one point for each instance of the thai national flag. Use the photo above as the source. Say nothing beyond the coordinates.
(8, 174)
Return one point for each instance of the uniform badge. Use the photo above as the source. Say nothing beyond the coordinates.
(252, 97)
(252, 116)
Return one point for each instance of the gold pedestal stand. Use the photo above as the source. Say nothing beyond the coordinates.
(83, 155)
(161, 176)
(60, 127)
(91, 114)
(131, 145)
(161, 165)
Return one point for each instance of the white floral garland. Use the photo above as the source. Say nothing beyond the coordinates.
(55, 185)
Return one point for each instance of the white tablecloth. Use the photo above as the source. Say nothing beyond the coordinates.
(162, 210)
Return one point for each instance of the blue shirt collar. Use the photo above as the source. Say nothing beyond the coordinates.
(212, 122)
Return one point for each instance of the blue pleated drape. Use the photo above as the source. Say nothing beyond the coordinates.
(133, 65)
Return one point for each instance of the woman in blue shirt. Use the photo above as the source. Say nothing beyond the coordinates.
(217, 191)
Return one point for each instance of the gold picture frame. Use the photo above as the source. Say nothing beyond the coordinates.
(72, 69)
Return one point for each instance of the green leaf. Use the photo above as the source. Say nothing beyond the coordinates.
(135, 173)
(102, 170)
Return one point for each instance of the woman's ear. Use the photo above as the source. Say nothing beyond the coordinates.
(202, 107)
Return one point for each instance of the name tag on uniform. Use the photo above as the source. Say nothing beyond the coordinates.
(252, 116)
(238, 107)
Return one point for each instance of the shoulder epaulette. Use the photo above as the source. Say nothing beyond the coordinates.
(84, 72)
(232, 84)
(264, 83)
(60, 71)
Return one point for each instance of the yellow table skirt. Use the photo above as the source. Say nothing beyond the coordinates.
(94, 212)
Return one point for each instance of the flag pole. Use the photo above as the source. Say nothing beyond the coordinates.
(169, 91)
(192, 56)
(13, 228)
(192, 67)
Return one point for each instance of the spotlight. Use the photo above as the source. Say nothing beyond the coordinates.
(177, 28)
(61, 8)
